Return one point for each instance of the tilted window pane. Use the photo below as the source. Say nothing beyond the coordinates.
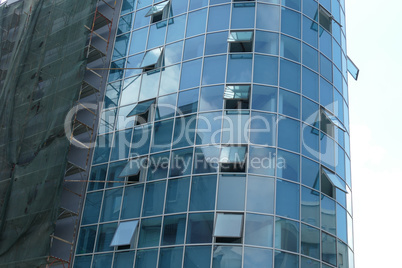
(132, 168)
(228, 225)
(352, 69)
(233, 154)
(335, 180)
(240, 36)
(141, 108)
(325, 19)
(157, 8)
(237, 92)
(151, 57)
(124, 233)
(334, 120)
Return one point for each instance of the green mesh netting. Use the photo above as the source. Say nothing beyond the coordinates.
(42, 64)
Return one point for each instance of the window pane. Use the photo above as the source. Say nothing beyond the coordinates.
(310, 84)
(173, 229)
(98, 173)
(231, 192)
(158, 166)
(289, 103)
(177, 195)
(283, 259)
(184, 131)
(259, 230)
(287, 235)
(206, 159)
(341, 223)
(310, 173)
(123, 259)
(115, 169)
(328, 253)
(196, 22)
(93, 203)
(235, 128)
(121, 144)
(132, 201)
(266, 42)
(111, 205)
(105, 235)
(140, 141)
(290, 22)
(194, 47)
(188, 102)
(162, 135)
(102, 260)
(121, 46)
(149, 232)
(310, 241)
(197, 257)
(209, 128)
(290, 75)
(203, 190)
(181, 162)
(124, 233)
(171, 257)
(260, 194)
(86, 240)
(287, 199)
(289, 134)
(227, 257)
(218, 18)
(263, 128)
(83, 261)
(228, 225)
(266, 70)
(243, 16)
(239, 70)
(138, 40)
(310, 57)
(146, 258)
(257, 257)
(216, 43)
(154, 198)
(131, 90)
(290, 48)
(262, 160)
(190, 74)
(166, 107)
(288, 166)
(214, 70)
(200, 226)
(328, 214)
(176, 29)
(310, 206)
(264, 98)
(170, 79)
(268, 17)
(211, 98)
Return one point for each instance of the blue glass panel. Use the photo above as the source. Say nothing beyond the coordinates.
(184, 131)
(211, 98)
(121, 144)
(328, 214)
(154, 198)
(209, 128)
(231, 192)
(98, 173)
(218, 18)
(179, 7)
(188, 102)
(263, 128)
(121, 46)
(146, 258)
(102, 260)
(158, 166)
(170, 257)
(227, 257)
(289, 103)
(310, 32)
(340, 161)
(206, 159)
(286, 236)
(341, 223)
(112, 94)
(199, 229)
(149, 232)
(310, 142)
(128, 6)
(176, 29)
(106, 123)
(235, 128)
(336, 54)
(259, 230)
(105, 236)
(203, 190)
(257, 257)
(310, 57)
(310, 241)
(291, 166)
(132, 201)
(197, 257)
(287, 199)
(131, 90)
(243, 16)
(295, 4)
(190, 75)
(268, 17)
(144, 3)
(173, 230)
(289, 134)
(310, 112)
(214, 70)
(181, 162)
(195, 4)
(140, 141)
(149, 85)
(111, 205)
(283, 259)
(310, 8)
(86, 240)
(117, 70)
(266, 42)
(266, 70)
(216, 43)
(138, 40)
(290, 48)
(102, 149)
(310, 84)
(260, 194)
(166, 107)
(239, 69)
(328, 253)
(123, 259)
(170, 79)
(328, 152)
(290, 75)
(196, 22)
(162, 135)
(194, 47)
(177, 195)
(93, 203)
(264, 98)
(172, 53)
(326, 68)
(310, 174)
(83, 261)
(261, 160)
(290, 22)
(140, 19)
(310, 206)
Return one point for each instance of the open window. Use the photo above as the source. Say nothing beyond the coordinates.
(134, 170)
(237, 96)
(241, 41)
(143, 111)
(352, 69)
(233, 158)
(330, 181)
(328, 123)
(324, 19)
(124, 235)
(159, 11)
(228, 228)
(153, 59)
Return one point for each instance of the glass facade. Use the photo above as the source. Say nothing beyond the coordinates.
(224, 139)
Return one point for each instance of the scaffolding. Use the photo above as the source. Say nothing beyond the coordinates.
(48, 50)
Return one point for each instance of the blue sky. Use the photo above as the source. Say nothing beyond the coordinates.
(374, 43)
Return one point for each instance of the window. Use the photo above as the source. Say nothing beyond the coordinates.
(328, 122)
(152, 59)
(159, 11)
(228, 228)
(330, 181)
(352, 69)
(143, 112)
(241, 41)
(324, 19)
(237, 96)
(134, 170)
(233, 159)
(123, 237)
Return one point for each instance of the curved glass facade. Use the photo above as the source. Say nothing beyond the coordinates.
(223, 140)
